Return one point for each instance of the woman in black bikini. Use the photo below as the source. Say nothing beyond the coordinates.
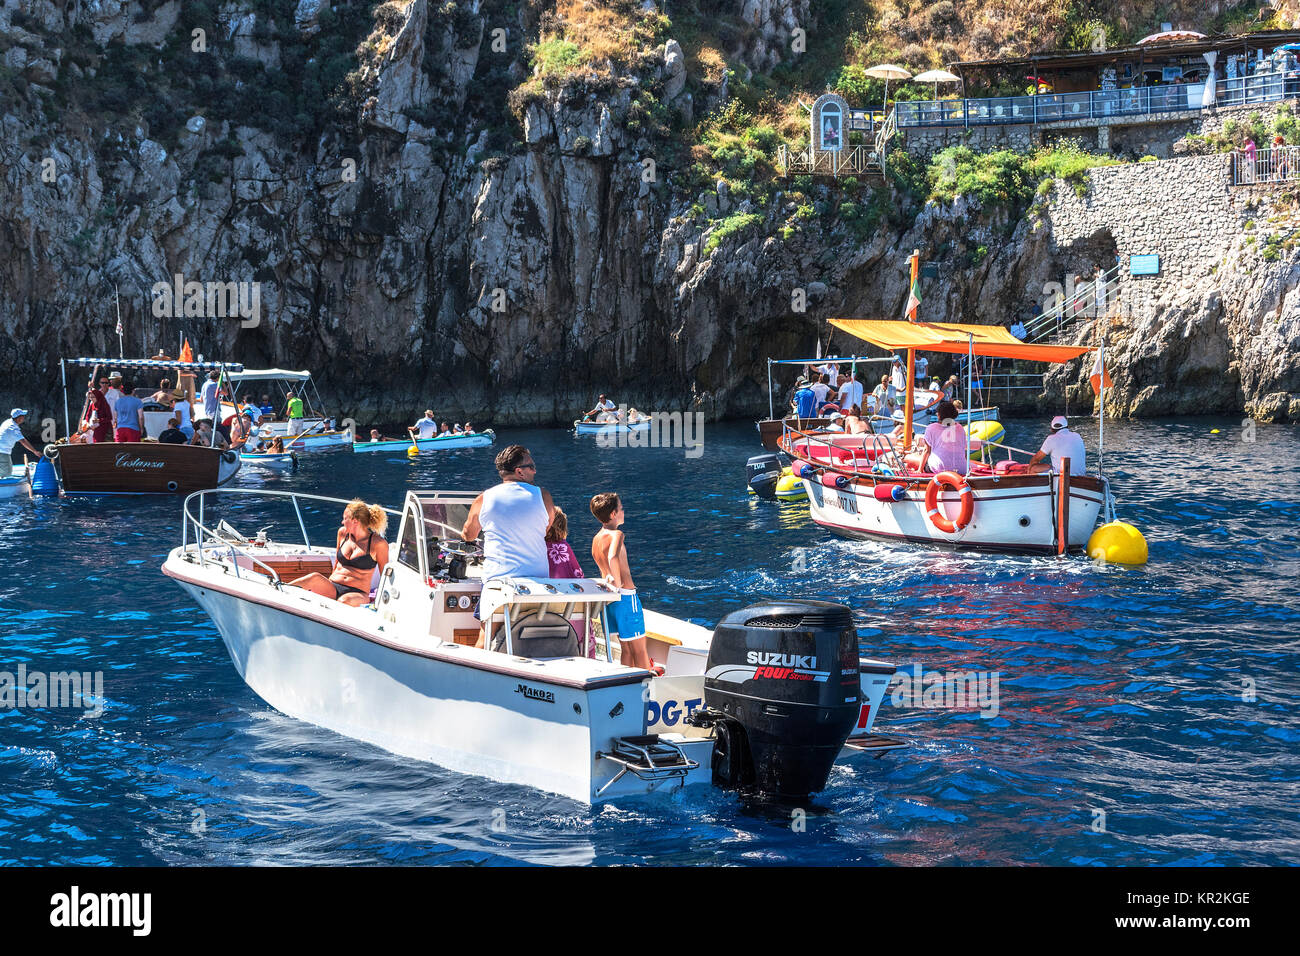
(361, 548)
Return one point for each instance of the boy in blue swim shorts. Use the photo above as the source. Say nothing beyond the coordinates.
(609, 551)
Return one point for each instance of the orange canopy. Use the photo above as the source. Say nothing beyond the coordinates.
(987, 340)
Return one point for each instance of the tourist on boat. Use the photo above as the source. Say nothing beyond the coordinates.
(241, 430)
(950, 388)
(469, 429)
(821, 388)
(114, 391)
(294, 409)
(922, 366)
(458, 430)
(851, 393)
(128, 417)
(211, 397)
(426, 426)
(881, 392)
(99, 413)
(609, 551)
(898, 376)
(267, 408)
(375, 436)
(1060, 444)
(943, 446)
(835, 421)
(564, 564)
(277, 447)
(360, 550)
(11, 433)
(854, 423)
(164, 394)
(805, 400)
(204, 435)
(512, 517)
(172, 434)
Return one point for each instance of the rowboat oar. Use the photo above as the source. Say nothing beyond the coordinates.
(414, 450)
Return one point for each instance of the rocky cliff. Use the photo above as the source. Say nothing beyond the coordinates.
(434, 219)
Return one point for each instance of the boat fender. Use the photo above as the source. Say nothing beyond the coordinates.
(890, 491)
(835, 481)
(1118, 543)
(229, 457)
(801, 469)
(958, 484)
(44, 481)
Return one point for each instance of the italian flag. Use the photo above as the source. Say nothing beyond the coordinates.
(913, 298)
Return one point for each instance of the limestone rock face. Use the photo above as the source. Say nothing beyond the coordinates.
(505, 270)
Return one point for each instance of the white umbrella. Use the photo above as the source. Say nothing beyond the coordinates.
(936, 77)
(1169, 36)
(887, 72)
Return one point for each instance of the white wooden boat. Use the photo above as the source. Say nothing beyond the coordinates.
(281, 462)
(316, 432)
(858, 486)
(402, 672)
(437, 443)
(582, 427)
(16, 483)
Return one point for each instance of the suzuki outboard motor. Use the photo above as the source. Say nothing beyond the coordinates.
(763, 472)
(782, 691)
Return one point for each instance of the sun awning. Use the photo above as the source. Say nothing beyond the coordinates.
(152, 365)
(269, 374)
(987, 340)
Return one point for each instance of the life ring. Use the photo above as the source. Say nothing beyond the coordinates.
(958, 484)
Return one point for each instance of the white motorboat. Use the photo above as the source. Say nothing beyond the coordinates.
(436, 443)
(768, 701)
(316, 431)
(859, 486)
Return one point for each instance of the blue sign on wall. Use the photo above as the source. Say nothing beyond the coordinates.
(1144, 265)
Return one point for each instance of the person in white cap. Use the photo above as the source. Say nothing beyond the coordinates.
(11, 433)
(1060, 445)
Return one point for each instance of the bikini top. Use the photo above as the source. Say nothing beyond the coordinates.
(365, 563)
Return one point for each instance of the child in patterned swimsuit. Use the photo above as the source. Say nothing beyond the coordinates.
(564, 564)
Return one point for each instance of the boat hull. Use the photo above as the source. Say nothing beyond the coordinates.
(271, 462)
(142, 468)
(599, 428)
(16, 483)
(1013, 514)
(477, 440)
(443, 703)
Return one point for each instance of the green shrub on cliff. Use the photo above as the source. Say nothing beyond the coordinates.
(733, 224)
(1008, 178)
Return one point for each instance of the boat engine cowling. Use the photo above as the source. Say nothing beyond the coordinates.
(782, 688)
(763, 472)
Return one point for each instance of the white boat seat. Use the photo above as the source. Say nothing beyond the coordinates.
(539, 635)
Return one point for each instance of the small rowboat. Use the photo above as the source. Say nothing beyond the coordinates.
(611, 428)
(270, 461)
(15, 483)
(437, 443)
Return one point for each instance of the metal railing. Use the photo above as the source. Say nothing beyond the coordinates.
(208, 539)
(1093, 104)
(1277, 164)
(854, 161)
(1083, 303)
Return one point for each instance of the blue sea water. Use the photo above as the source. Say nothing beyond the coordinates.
(1147, 716)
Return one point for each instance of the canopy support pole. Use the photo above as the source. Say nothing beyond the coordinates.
(1101, 414)
(67, 422)
(909, 398)
(970, 358)
(771, 410)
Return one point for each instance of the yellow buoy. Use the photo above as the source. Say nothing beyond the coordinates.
(790, 488)
(986, 430)
(1118, 543)
(413, 451)
(1214, 431)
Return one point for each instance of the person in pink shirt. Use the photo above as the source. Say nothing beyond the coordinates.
(564, 564)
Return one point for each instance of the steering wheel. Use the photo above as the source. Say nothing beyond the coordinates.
(464, 549)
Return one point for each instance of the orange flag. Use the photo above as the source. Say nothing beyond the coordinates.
(187, 353)
(1099, 376)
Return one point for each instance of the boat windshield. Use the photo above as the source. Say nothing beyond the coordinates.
(431, 519)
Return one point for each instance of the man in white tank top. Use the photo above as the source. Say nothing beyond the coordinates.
(512, 517)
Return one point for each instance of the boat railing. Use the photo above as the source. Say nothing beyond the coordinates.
(205, 538)
(836, 440)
